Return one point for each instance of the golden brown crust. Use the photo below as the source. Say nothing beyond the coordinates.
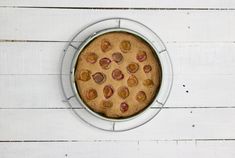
(113, 100)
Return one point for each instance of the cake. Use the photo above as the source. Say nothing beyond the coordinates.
(117, 75)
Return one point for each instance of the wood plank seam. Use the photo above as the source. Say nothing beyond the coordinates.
(153, 140)
(64, 41)
(64, 108)
(116, 8)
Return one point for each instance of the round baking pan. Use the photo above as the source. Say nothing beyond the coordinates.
(74, 63)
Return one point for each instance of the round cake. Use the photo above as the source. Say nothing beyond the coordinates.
(117, 75)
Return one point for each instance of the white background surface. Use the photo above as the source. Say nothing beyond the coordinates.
(35, 122)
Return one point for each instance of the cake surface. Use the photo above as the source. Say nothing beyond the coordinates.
(117, 75)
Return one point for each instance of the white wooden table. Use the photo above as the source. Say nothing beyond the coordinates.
(198, 120)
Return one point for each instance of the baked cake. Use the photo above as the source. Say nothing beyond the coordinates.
(117, 75)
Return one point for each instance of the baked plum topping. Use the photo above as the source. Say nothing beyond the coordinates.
(84, 75)
(141, 56)
(105, 63)
(117, 74)
(105, 45)
(132, 81)
(91, 57)
(91, 94)
(99, 77)
(132, 67)
(125, 46)
(108, 91)
(147, 68)
(124, 107)
(148, 82)
(123, 92)
(117, 57)
(141, 96)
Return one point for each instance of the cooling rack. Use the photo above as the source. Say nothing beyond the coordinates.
(66, 72)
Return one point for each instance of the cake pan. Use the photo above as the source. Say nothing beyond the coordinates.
(74, 63)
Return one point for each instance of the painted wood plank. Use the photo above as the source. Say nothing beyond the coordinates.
(169, 124)
(31, 58)
(36, 68)
(123, 3)
(187, 58)
(147, 149)
(69, 150)
(31, 91)
(188, 149)
(202, 58)
(170, 25)
(44, 91)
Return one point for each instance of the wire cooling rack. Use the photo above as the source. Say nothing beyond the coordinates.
(67, 69)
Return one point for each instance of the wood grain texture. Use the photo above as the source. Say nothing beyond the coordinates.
(170, 25)
(137, 149)
(35, 74)
(169, 124)
(197, 120)
(187, 58)
(45, 91)
(123, 3)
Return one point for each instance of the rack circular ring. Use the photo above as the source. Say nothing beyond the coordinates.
(67, 71)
